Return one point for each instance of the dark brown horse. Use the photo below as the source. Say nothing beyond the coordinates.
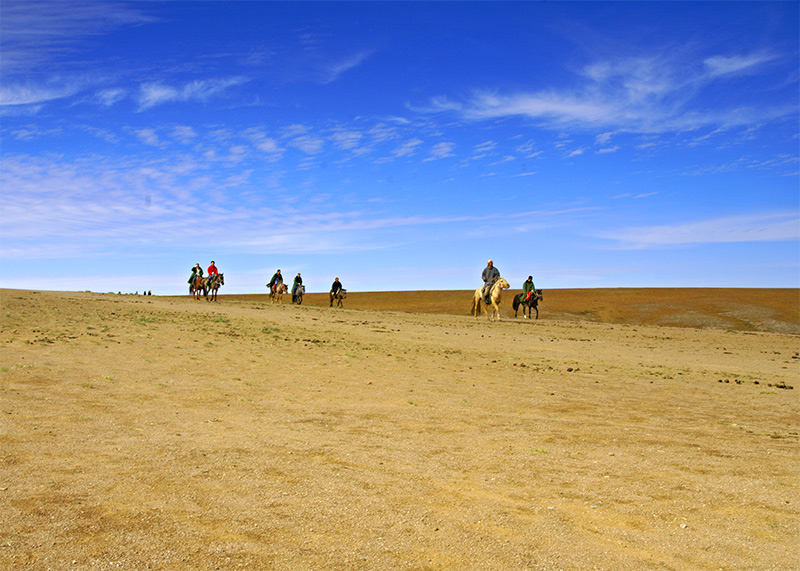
(532, 303)
(213, 283)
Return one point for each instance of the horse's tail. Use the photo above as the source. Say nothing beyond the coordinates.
(476, 305)
(516, 302)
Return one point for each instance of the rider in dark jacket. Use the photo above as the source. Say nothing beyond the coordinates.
(197, 271)
(489, 276)
(276, 280)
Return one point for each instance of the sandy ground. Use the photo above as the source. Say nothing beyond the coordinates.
(166, 433)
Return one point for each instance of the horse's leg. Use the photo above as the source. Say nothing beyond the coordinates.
(495, 310)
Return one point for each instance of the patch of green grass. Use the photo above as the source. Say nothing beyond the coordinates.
(145, 319)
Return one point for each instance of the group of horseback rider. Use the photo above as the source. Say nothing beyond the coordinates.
(491, 274)
(197, 272)
(277, 279)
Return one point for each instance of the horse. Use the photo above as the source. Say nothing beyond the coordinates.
(213, 283)
(198, 284)
(532, 303)
(276, 292)
(494, 296)
(338, 296)
(297, 296)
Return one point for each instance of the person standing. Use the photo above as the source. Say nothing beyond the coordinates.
(490, 275)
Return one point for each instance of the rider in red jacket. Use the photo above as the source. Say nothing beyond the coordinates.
(212, 269)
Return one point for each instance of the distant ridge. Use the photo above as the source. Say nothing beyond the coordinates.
(738, 309)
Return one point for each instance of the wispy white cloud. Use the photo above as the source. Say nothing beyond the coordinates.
(36, 33)
(148, 137)
(718, 66)
(308, 143)
(441, 151)
(18, 94)
(634, 95)
(347, 138)
(408, 148)
(152, 94)
(604, 138)
(183, 134)
(110, 97)
(484, 148)
(333, 71)
(265, 143)
(769, 227)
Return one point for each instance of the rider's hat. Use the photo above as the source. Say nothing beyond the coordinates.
(530, 277)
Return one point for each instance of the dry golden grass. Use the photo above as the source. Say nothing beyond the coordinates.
(172, 434)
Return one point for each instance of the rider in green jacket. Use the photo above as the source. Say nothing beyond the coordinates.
(527, 288)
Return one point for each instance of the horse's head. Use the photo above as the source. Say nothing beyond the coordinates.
(221, 279)
(503, 284)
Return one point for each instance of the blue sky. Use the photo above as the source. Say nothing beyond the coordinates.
(399, 145)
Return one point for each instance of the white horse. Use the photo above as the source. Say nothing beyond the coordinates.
(494, 296)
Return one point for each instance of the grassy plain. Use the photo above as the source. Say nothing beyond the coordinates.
(624, 430)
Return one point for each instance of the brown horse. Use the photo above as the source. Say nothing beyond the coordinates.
(198, 285)
(494, 296)
(276, 292)
(338, 297)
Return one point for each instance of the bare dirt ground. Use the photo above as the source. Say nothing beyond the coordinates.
(166, 433)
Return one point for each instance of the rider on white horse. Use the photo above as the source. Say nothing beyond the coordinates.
(276, 280)
(489, 276)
